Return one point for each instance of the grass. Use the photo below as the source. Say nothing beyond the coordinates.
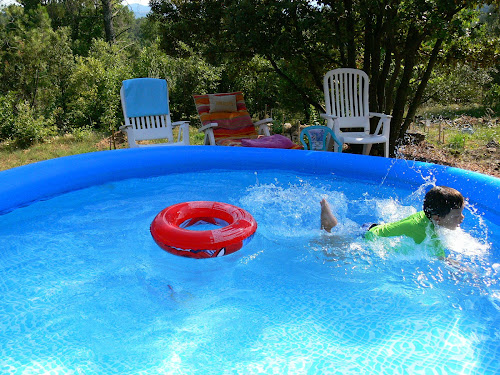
(457, 138)
(453, 111)
(66, 145)
(459, 129)
(11, 157)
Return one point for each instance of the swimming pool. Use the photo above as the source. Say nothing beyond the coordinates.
(84, 288)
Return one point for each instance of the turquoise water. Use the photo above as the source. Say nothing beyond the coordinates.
(84, 288)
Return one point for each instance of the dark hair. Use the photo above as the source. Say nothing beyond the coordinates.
(440, 200)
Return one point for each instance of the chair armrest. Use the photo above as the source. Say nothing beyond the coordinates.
(264, 126)
(178, 123)
(124, 127)
(208, 126)
(381, 115)
(183, 135)
(264, 121)
(383, 126)
(209, 138)
(328, 117)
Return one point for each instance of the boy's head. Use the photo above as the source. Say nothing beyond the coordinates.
(444, 205)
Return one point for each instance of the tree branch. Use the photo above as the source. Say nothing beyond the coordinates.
(299, 90)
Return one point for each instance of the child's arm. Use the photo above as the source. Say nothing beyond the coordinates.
(410, 227)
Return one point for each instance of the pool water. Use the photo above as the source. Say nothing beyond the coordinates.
(85, 289)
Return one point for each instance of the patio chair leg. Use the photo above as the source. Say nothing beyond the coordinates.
(366, 149)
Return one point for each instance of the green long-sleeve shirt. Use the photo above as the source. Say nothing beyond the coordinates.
(416, 226)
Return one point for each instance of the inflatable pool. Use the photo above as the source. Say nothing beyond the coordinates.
(79, 270)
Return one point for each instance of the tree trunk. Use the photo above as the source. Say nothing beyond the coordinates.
(413, 43)
(107, 13)
(381, 95)
(389, 90)
(375, 65)
(421, 88)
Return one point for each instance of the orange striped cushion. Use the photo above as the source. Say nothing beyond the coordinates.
(230, 124)
(229, 142)
(237, 142)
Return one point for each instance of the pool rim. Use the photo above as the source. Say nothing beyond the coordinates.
(22, 186)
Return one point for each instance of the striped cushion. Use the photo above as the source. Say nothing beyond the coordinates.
(229, 142)
(238, 141)
(231, 125)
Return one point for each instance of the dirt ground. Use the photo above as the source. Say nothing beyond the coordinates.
(484, 160)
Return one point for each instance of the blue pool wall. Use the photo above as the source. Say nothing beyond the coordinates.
(23, 185)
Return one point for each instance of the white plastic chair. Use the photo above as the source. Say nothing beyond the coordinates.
(346, 100)
(147, 113)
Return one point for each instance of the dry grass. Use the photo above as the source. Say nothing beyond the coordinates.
(11, 157)
(66, 145)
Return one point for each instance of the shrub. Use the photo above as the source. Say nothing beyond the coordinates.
(29, 127)
(493, 95)
(21, 124)
(83, 133)
(94, 88)
(457, 142)
(6, 116)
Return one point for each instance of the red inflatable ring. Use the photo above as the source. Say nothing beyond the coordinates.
(169, 229)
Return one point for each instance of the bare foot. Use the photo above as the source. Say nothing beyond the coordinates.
(328, 220)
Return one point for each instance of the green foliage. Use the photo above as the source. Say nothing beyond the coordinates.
(29, 128)
(461, 85)
(94, 88)
(82, 18)
(37, 62)
(56, 69)
(493, 95)
(277, 127)
(457, 142)
(6, 116)
(258, 82)
(285, 36)
(185, 76)
(82, 133)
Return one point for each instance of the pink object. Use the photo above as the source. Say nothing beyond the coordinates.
(274, 141)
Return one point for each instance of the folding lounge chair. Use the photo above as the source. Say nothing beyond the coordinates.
(147, 113)
(226, 122)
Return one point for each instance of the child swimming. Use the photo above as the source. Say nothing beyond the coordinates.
(443, 207)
